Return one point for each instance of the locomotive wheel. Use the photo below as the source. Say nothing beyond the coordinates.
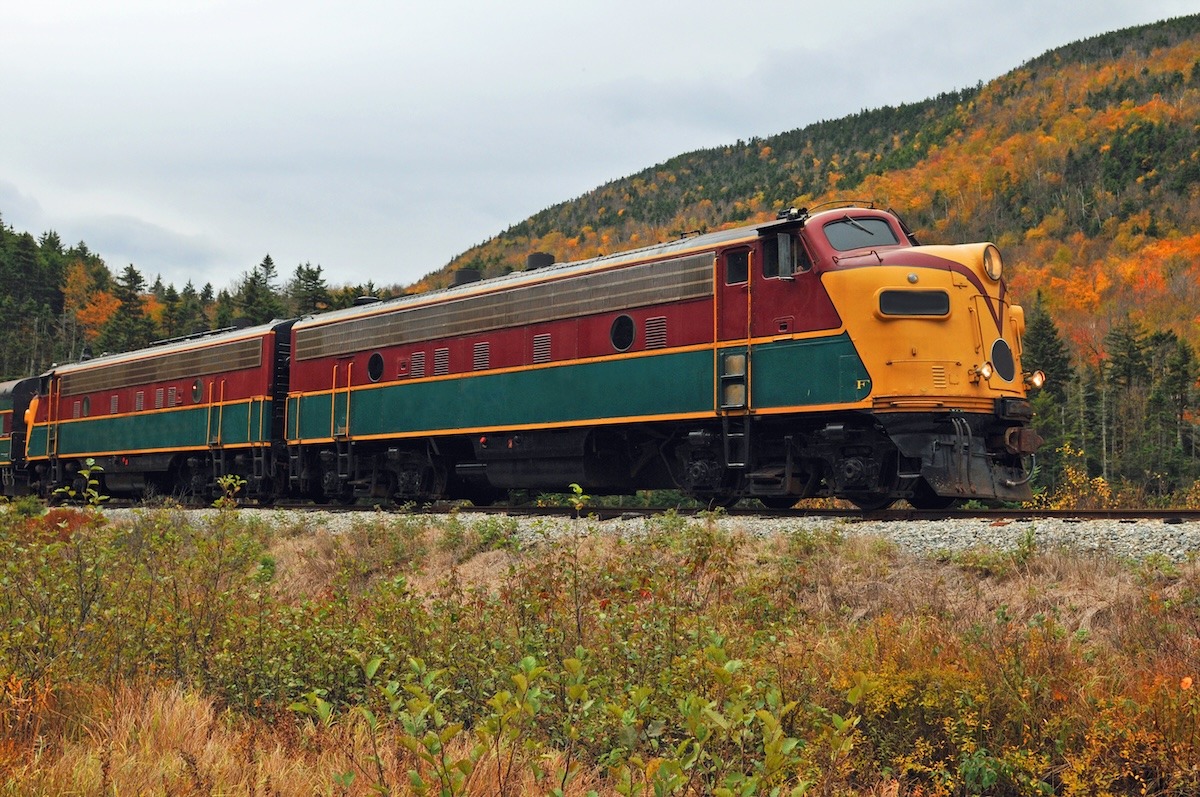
(871, 502)
(923, 497)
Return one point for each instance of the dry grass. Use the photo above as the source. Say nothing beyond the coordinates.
(162, 740)
(859, 577)
(861, 604)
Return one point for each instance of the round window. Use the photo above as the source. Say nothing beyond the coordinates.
(1002, 359)
(375, 367)
(197, 391)
(622, 333)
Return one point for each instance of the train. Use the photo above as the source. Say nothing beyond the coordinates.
(823, 353)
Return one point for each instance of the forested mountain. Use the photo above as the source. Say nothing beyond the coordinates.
(1082, 164)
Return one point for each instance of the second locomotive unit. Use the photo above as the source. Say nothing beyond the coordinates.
(822, 354)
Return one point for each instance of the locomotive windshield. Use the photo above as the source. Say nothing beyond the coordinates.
(847, 233)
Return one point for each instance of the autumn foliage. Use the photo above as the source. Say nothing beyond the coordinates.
(420, 654)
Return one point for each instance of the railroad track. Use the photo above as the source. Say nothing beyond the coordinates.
(1180, 515)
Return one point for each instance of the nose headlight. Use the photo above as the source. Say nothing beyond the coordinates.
(984, 371)
(993, 264)
(1035, 379)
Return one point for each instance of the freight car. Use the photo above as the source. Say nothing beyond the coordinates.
(821, 354)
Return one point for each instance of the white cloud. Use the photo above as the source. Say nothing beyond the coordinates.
(379, 139)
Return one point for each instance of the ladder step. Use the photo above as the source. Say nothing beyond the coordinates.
(737, 442)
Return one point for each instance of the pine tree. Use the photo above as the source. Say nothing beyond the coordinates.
(129, 328)
(223, 310)
(308, 291)
(170, 315)
(1044, 350)
(191, 311)
(1126, 345)
(257, 300)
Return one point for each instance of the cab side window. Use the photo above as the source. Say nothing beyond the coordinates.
(737, 267)
(785, 255)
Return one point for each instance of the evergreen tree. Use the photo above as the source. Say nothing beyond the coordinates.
(257, 300)
(223, 310)
(129, 328)
(1126, 345)
(191, 311)
(22, 269)
(1044, 350)
(170, 315)
(308, 291)
(1179, 384)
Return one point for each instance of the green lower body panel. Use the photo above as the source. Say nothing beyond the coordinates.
(799, 373)
(162, 430)
(633, 387)
(793, 373)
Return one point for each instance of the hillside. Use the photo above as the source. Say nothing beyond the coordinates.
(1082, 164)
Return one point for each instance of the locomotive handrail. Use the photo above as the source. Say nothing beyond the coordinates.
(334, 432)
(52, 416)
(218, 407)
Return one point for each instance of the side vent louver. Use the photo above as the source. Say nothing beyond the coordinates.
(482, 358)
(656, 332)
(541, 348)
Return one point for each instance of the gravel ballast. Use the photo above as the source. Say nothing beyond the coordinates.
(1176, 541)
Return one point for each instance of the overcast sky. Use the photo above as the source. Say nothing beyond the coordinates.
(380, 139)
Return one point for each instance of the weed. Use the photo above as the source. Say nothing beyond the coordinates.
(84, 486)
(687, 659)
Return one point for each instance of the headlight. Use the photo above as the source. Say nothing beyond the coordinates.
(1036, 379)
(984, 371)
(993, 264)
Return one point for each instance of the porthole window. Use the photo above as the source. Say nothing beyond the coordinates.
(197, 391)
(1002, 359)
(375, 367)
(622, 333)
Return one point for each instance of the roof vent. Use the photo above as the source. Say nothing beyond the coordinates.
(465, 276)
(538, 260)
(364, 300)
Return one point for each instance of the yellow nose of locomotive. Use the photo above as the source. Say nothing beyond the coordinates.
(935, 328)
(942, 344)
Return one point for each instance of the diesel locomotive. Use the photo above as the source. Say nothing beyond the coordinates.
(818, 354)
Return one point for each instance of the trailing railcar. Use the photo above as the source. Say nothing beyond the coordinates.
(170, 419)
(819, 354)
(14, 401)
